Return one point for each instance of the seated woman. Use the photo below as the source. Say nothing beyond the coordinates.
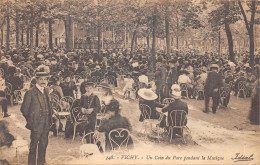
(176, 105)
(148, 97)
(114, 120)
(90, 105)
(54, 83)
(106, 96)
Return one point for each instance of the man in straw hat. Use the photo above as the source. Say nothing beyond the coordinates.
(37, 112)
(213, 83)
(178, 104)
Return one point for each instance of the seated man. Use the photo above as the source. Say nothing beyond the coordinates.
(176, 105)
(114, 120)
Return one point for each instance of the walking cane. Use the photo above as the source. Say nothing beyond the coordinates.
(37, 153)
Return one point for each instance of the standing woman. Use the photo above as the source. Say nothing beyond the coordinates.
(90, 105)
(3, 99)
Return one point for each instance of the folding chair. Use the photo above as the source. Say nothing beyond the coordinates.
(177, 120)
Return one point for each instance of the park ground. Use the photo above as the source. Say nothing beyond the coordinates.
(216, 137)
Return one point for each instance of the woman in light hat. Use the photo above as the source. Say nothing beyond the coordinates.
(148, 97)
(178, 104)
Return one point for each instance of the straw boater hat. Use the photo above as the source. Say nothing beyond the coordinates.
(42, 71)
(147, 94)
(176, 91)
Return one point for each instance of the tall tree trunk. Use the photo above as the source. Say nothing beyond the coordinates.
(22, 42)
(50, 35)
(17, 29)
(133, 42)
(7, 41)
(37, 35)
(219, 43)
(229, 34)
(31, 33)
(230, 43)
(167, 31)
(2, 36)
(154, 38)
(28, 36)
(148, 41)
(68, 33)
(99, 36)
(177, 33)
(250, 29)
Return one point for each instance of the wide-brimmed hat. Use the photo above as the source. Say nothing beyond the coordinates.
(176, 91)
(147, 94)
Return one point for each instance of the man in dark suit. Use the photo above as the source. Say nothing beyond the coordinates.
(213, 83)
(172, 76)
(37, 112)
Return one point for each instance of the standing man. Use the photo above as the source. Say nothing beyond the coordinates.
(37, 112)
(213, 83)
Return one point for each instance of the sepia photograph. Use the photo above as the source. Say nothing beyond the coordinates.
(129, 82)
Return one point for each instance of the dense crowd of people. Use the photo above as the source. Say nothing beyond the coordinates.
(88, 78)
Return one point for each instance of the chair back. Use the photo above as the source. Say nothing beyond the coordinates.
(8, 89)
(111, 80)
(89, 138)
(77, 115)
(167, 101)
(145, 111)
(18, 95)
(184, 86)
(2, 73)
(223, 92)
(242, 85)
(77, 77)
(67, 99)
(177, 118)
(119, 139)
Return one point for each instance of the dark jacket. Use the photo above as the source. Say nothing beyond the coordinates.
(114, 122)
(31, 108)
(213, 81)
(91, 101)
(67, 88)
(152, 104)
(176, 105)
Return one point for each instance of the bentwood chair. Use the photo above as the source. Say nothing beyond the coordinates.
(119, 139)
(146, 114)
(184, 88)
(8, 92)
(177, 121)
(223, 93)
(242, 88)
